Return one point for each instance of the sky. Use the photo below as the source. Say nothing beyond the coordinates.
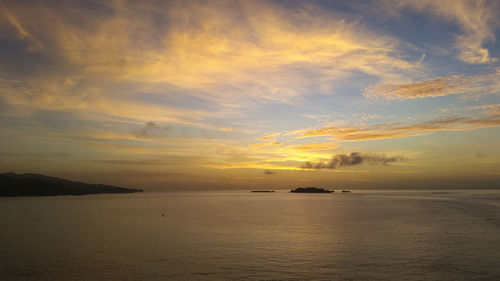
(252, 94)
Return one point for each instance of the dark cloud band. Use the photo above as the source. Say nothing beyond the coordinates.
(355, 158)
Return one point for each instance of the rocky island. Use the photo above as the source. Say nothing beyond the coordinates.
(12, 184)
(310, 190)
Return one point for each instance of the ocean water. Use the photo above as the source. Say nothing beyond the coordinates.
(238, 235)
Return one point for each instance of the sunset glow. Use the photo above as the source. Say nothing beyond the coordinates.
(239, 94)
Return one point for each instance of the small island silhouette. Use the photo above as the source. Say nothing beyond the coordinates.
(311, 190)
(12, 184)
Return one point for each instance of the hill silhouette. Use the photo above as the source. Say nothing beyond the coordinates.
(12, 184)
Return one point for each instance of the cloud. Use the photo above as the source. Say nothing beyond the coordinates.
(271, 143)
(476, 19)
(150, 130)
(132, 61)
(269, 137)
(229, 53)
(466, 86)
(397, 130)
(493, 109)
(204, 67)
(22, 33)
(491, 121)
(355, 158)
(436, 87)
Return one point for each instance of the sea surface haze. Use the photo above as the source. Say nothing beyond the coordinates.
(238, 235)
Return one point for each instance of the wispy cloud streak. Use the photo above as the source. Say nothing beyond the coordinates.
(398, 130)
(466, 86)
(431, 88)
(477, 21)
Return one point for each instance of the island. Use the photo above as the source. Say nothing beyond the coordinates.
(311, 190)
(12, 184)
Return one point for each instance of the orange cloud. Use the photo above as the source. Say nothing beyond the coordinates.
(466, 86)
(431, 88)
(396, 130)
(269, 137)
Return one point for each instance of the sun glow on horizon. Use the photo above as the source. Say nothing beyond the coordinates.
(215, 94)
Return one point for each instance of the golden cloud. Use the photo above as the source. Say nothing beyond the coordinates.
(244, 51)
(431, 88)
(269, 137)
(466, 86)
(396, 130)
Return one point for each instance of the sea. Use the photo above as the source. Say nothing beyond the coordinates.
(239, 235)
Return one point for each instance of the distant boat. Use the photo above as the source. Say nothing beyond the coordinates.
(310, 190)
(262, 191)
(346, 191)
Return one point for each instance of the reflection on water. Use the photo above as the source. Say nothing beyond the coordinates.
(363, 235)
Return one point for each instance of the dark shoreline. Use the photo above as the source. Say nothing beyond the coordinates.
(19, 185)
